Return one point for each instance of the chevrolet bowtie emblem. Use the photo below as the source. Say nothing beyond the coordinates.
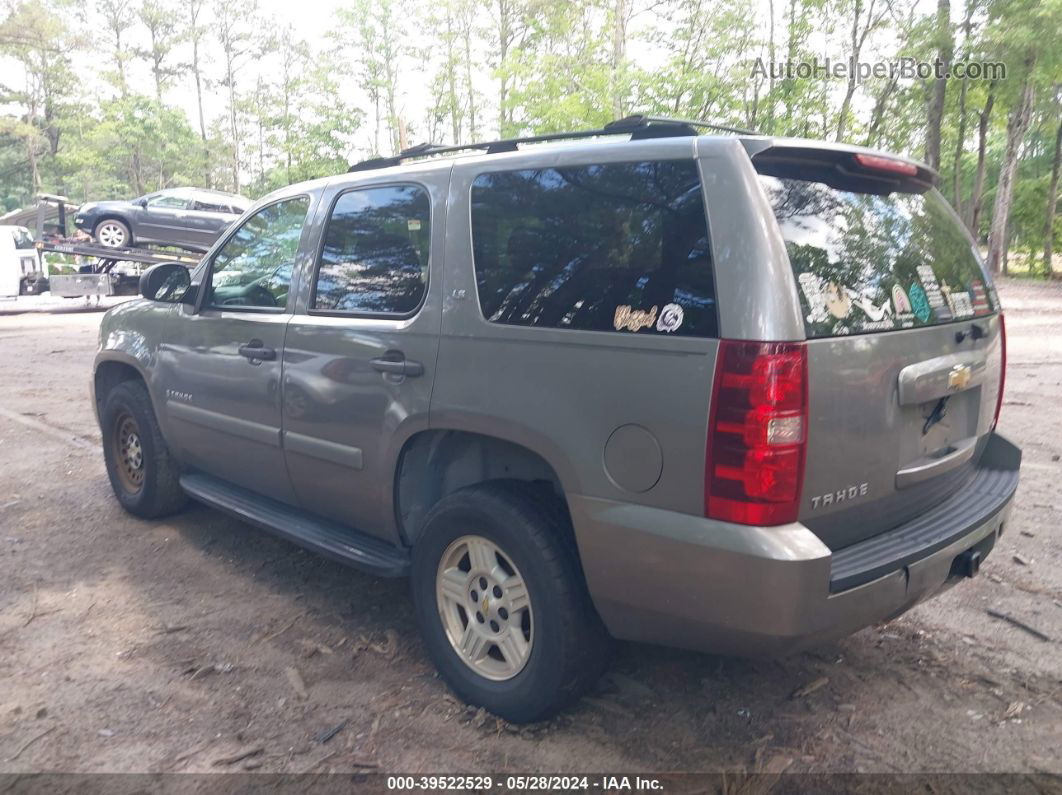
(959, 376)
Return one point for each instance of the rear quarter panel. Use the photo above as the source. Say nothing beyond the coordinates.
(563, 393)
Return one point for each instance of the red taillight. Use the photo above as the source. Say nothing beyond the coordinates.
(879, 163)
(1002, 368)
(757, 433)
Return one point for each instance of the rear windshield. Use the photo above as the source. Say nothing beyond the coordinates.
(866, 262)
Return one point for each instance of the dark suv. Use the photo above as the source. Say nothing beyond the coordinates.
(731, 393)
(190, 218)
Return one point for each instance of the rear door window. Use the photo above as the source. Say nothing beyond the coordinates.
(374, 259)
(620, 247)
(868, 262)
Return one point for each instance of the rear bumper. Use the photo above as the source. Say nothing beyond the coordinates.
(662, 577)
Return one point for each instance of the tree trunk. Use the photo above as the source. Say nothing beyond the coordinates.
(960, 139)
(935, 113)
(229, 73)
(846, 103)
(1016, 127)
(466, 34)
(772, 54)
(194, 8)
(978, 196)
(877, 116)
(956, 164)
(505, 33)
(1052, 200)
(621, 10)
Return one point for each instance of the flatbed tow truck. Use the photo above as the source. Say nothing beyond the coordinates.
(100, 276)
(98, 273)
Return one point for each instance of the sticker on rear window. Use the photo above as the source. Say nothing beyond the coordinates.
(933, 293)
(980, 297)
(633, 319)
(958, 301)
(670, 318)
(902, 306)
(816, 297)
(919, 303)
(837, 301)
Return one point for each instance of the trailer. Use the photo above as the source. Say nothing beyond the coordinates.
(100, 275)
(100, 268)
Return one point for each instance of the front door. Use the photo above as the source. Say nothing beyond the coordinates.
(359, 364)
(222, 372)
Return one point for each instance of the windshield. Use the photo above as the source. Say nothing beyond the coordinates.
(867, 262)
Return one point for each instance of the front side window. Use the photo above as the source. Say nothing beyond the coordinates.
(619, 247)
(254, 266)
(375, 254)
(169, 202)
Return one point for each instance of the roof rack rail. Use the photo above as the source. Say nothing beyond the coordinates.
(638, 126)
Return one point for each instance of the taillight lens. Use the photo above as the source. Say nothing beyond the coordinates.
(757, 433)
(1002, 367)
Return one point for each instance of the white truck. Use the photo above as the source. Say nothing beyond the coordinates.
(23, 268)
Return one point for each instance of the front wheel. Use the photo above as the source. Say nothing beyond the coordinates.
(501, 602)
(143, 474)
(112, 233)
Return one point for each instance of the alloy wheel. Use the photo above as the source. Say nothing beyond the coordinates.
(485, 608)
(111, 234)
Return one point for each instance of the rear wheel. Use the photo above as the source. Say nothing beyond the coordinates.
(112, 233)
(142, 472)
(501, 602)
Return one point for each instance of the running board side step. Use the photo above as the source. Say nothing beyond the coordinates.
(319, 535)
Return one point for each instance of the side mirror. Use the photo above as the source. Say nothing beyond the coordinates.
(168, 282)
(140, 202)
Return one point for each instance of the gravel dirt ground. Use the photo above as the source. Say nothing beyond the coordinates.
(201, 644)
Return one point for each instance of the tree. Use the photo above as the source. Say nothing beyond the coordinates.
(161, 22)
(1017, 124)
(935, 111)
(194, 32)
(378, 32)
(978, 195)
(1052, 190)
(118, 17)
(234, 27)
(35, 36)
(863, 21)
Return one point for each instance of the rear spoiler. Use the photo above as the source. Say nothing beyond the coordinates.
(841, 166)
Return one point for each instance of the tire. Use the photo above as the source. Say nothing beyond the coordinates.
(143, 474)
(113, 233)
(565, 645)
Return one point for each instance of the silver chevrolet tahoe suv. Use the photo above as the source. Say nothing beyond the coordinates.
(724, 392)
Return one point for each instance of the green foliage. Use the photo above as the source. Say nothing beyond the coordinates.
(388, 73)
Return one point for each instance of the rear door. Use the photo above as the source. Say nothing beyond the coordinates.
(360, 355)
(208, 217)
(904, 337)
(165, 220)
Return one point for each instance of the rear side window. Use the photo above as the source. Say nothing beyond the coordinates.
(375, 254)
(619, 247)
(868, 262)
